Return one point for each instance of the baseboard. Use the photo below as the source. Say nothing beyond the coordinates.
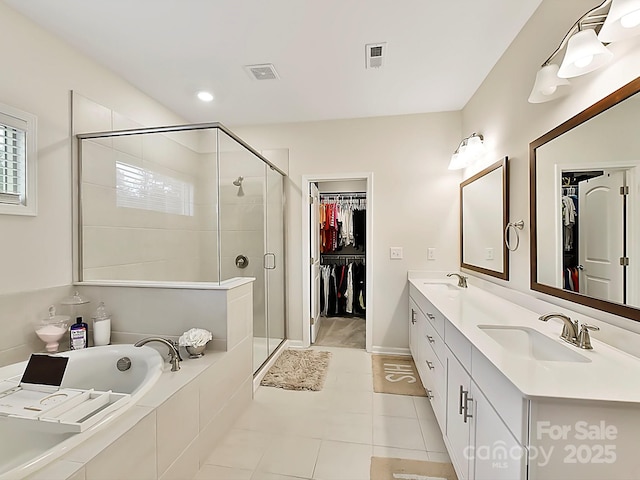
(390, 350)
(295, 344)
(265, 368)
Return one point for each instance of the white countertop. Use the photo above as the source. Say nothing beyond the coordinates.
(610, 376)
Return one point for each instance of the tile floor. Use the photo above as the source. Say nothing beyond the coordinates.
(326, 435)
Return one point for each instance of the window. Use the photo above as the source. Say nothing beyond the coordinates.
(17, 162)
(138, 187)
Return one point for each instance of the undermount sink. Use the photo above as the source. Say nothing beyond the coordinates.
(442, 287)
(529, 343)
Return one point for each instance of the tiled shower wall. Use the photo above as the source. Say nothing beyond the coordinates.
(122, 243)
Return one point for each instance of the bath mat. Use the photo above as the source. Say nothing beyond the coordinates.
(400, 468)
(298, 370)
(396, 375)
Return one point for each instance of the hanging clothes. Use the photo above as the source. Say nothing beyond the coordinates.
(343, 289)
(569, 216)
(342, 222)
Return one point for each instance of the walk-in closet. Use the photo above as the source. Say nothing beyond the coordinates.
(339, 240)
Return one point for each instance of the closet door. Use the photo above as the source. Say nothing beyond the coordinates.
(601, 243)
(314, 255)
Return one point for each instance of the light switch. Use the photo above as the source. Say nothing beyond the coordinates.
(431, 253)
(395, 253)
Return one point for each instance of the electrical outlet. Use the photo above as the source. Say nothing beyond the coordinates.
(431, 253)
(489, 254)
(395, 253)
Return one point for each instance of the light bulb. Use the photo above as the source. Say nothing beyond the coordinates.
(631, 20)
(583, 61)
(549, 90)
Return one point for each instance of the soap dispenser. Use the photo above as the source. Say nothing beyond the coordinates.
(79, 335)
(101, 326)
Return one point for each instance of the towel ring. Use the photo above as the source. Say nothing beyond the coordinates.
(515, 227)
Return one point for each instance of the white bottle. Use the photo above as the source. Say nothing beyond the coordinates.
(101, 326)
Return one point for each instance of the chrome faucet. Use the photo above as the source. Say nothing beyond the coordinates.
(570, 331)
(174, 354)
(462, 280)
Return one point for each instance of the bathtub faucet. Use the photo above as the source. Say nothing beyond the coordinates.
(174, 354)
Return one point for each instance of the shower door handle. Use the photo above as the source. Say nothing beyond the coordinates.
(269, 261)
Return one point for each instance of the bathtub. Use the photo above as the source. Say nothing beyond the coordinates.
(26, 448)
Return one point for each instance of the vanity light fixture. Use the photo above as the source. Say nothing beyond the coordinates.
(623, 21)
(205, 96)
(548, 85)
(470, 150)
(584, 53)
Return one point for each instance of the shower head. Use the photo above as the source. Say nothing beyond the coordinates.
(238, 181)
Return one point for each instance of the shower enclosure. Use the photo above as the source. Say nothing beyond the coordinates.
(188, 203)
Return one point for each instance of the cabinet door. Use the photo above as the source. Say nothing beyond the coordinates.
(458, 431)
(496, 454)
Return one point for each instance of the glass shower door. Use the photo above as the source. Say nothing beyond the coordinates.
(274, 267)
(242, 207)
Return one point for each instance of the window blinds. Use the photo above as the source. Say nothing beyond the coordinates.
(13, 143)
(138, 187)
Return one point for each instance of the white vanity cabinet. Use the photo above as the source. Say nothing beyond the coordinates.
(423, 342)
(481, 444)
(522, 413)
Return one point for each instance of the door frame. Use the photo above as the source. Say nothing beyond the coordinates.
(633, 227)
(306, 242)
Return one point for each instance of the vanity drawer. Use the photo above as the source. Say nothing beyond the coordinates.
(459, 345)
(431, 312)
(434, 340)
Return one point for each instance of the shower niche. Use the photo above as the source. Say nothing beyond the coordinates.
(187, 203)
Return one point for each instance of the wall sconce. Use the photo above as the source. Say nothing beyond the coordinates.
(585, 52)
(470, 150)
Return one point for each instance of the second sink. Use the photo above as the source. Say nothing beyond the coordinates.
(527, 342)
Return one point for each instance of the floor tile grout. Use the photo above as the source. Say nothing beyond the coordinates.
(301, 420)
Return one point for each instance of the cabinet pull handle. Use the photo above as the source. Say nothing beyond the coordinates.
(430, 365)
(431, 316)
(466, 415)
(429, 394)
(430, 338)
(462, 391)
(413, 316)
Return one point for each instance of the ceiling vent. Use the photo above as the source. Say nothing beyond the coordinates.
(375, 54)
(264, 71)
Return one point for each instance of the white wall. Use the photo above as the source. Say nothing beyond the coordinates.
(500, 111)
(43, 72)
(415, 201)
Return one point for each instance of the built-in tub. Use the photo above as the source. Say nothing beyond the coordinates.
(24, 449)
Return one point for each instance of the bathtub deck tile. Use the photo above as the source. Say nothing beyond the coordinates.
(60, 470)
(102, 439)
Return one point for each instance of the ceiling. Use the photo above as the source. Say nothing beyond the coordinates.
(437, 55)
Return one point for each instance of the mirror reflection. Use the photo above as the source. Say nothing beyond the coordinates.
(586, 190)
(483, 214)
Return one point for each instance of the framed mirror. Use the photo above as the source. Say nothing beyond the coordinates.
(484, 213)
(585, 206)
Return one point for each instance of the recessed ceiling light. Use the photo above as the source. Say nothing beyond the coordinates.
(205, 96)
